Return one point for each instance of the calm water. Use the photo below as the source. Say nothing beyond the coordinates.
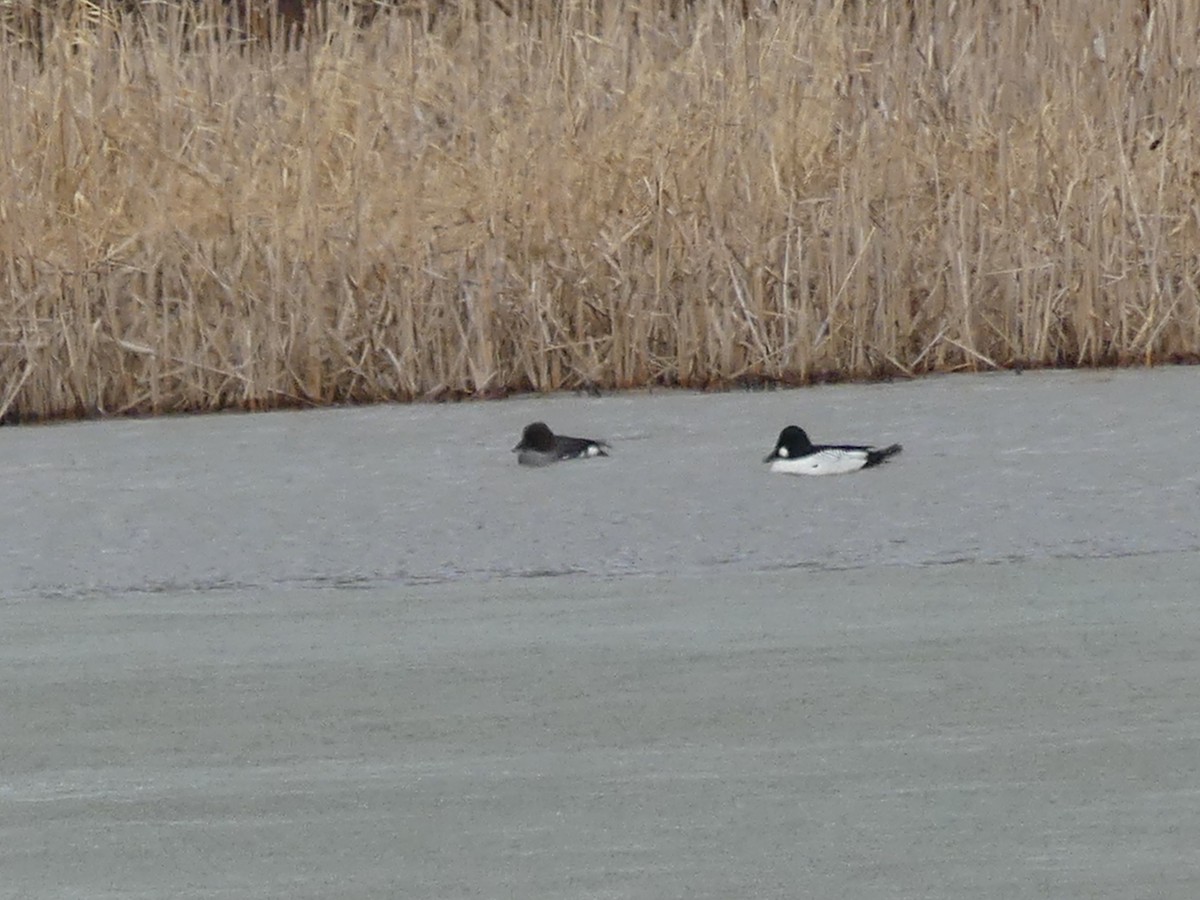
(1087, 464)
(360, 653)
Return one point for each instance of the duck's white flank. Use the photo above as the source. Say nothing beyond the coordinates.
(830, 461)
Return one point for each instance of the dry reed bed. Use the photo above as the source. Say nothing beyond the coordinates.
(595, 194)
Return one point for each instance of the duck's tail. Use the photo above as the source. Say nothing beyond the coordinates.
(875, 457)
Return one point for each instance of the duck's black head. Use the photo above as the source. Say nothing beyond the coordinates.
(792, 442)
(537, 436)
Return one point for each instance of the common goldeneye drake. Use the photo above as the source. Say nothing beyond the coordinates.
(540, 446)
(795, 454)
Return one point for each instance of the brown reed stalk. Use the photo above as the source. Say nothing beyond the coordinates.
(200, 212)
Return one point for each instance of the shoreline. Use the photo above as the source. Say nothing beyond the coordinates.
(748, 385)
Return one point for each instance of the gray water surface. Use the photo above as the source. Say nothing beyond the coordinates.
(360, 653)
(1063, 464)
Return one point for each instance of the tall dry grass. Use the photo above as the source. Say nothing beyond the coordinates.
(592, 193)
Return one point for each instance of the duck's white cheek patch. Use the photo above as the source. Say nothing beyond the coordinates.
(783, 451)
(593, 450)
